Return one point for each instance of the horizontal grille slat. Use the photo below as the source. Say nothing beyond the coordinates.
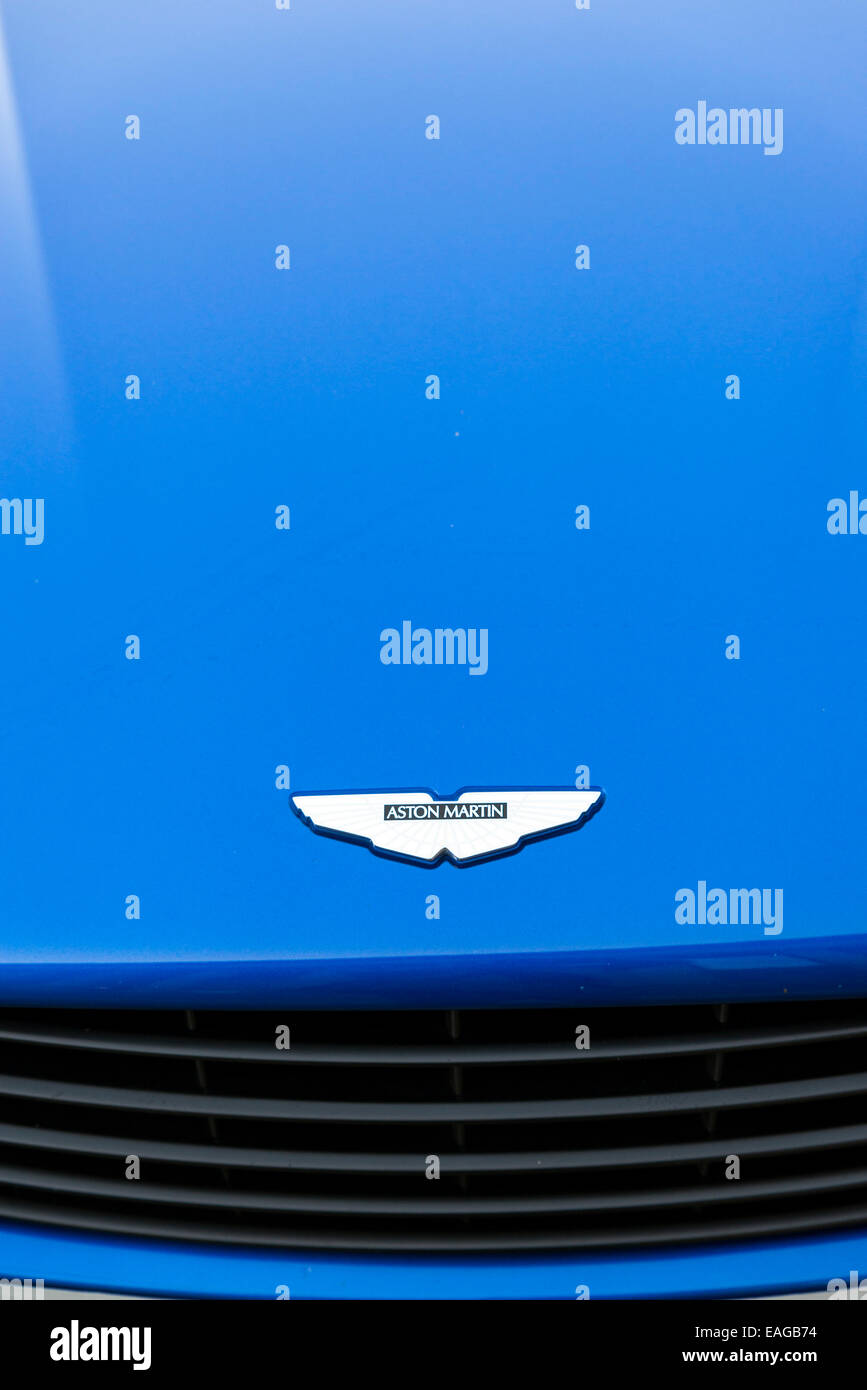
(445, 1054)
(445, 1112)
(546, 1128)
(341, 1239)
(431, 1209)
(552, 1160)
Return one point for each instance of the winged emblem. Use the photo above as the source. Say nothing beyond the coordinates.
(475, 824)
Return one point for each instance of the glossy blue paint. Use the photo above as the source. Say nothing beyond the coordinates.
(261, 647)
(819, 968)
(72, 1260)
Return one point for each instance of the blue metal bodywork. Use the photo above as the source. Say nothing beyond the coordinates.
(180, 1270)
(809, 969)
(305, 388)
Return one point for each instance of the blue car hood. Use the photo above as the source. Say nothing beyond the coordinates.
(431, 414)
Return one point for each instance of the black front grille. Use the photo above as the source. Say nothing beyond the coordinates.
(540, 1145)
